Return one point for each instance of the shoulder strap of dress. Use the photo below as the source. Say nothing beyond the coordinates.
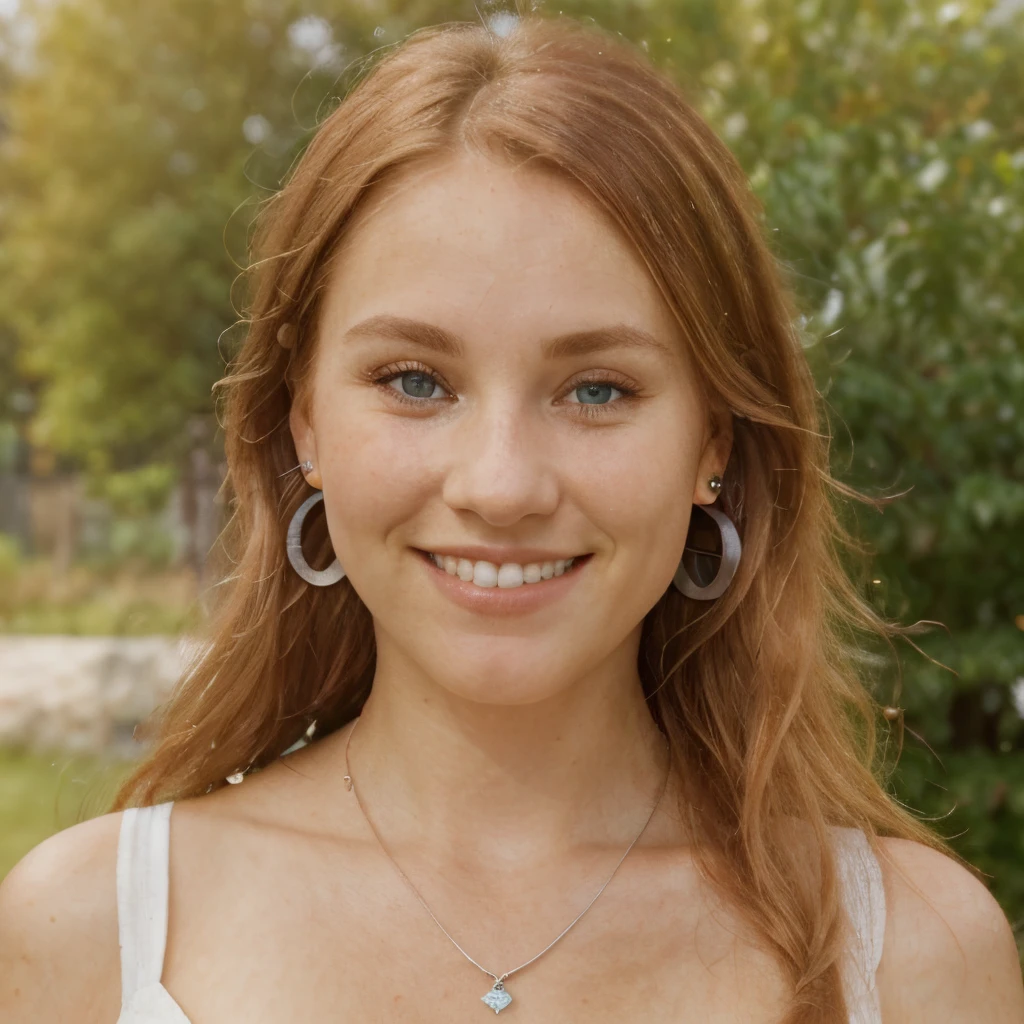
(860, 878)
(142, 886)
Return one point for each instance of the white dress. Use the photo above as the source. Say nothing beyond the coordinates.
(142, 887)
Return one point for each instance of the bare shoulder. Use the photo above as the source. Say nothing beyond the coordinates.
(949, 953)
(59, 952)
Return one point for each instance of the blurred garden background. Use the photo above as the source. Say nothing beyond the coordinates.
(886, 141)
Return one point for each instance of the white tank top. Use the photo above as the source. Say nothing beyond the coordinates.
(142, 887)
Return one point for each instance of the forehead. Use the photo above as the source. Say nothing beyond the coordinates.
(484, 249)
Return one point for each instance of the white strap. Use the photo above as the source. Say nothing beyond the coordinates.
(864, 898)
(142, 870)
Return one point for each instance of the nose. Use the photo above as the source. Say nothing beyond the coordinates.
(500, 464)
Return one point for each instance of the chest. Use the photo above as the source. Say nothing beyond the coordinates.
(344, 939)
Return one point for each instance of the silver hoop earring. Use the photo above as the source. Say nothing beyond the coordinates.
(729, 560)
(293, 546)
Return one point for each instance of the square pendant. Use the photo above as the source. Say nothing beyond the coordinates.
(497, 999)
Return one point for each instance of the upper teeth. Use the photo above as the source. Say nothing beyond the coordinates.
(508, 574)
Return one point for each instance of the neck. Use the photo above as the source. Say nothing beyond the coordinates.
(508, 785)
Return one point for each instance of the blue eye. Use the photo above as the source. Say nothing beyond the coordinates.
(592, 393)
(593, 397)
(415, 383)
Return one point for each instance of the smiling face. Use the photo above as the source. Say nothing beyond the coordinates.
(495, 369)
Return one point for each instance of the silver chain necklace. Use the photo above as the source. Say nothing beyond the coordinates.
(498, 997)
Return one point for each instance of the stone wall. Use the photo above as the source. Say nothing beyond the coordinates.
(84, 694)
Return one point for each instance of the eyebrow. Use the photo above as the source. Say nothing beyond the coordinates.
(563, 346)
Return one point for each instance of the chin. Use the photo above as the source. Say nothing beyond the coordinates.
(520, 688)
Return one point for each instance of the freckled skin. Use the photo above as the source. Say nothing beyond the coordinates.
(505, 259)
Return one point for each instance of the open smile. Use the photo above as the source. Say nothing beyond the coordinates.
(509, 588)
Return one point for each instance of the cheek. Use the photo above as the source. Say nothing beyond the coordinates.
(375, 473)
(649, 503)
(652, 463)
(641, 494)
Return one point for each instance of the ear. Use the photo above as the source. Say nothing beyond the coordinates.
(715, 456)
(305, 440)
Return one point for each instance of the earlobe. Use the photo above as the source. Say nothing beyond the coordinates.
(714, 459)
(305, 444)
(710, 476)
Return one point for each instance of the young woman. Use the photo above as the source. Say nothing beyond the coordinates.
(517, 353)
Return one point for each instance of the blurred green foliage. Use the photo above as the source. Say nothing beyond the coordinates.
(137, 492)
(44, 792)
(10, 560)
(886, 141)
(112, 598)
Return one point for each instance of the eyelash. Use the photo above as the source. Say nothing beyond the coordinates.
(391, 372)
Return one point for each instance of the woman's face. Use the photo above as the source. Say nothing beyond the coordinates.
(444, 416)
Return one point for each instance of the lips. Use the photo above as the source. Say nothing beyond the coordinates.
(508, 574)
(491, 590)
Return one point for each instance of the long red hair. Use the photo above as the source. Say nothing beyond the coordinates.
(763, 692)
